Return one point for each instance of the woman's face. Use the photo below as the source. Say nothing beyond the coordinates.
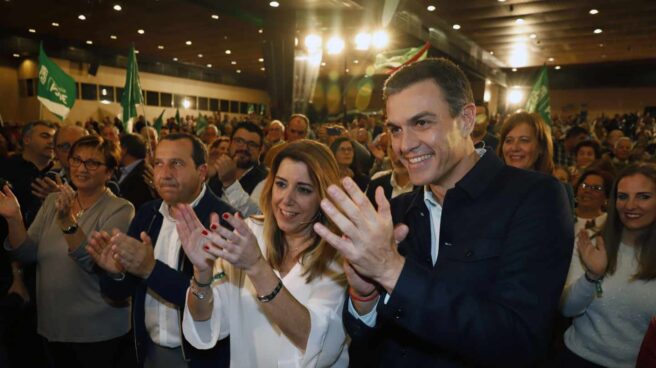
(636, 201)
(584, 157)
(88, 169)
(591, 192)
(344, 154)
(520, 147)
(294, 198)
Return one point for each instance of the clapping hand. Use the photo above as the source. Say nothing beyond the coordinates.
(193, 237)
(239, 246)
(369, 243)
(41, 187)
(9, 207)
(64, 204)
(594, 257)
(100, 250)
(135, 256)
(226, 169)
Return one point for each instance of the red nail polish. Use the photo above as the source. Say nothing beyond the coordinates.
(213, 227)
(204, 232)
(206, 247)
(225, 216)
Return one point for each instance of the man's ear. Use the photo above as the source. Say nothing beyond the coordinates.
(202, 171)
(467, 119)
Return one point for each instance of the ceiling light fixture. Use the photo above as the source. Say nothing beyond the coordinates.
(514, 69)
(89, 42)
(491, 52)
(81, 17)
(532, 36)
(380, 39)
(601, 45)
(335, 45)
(238, 70)
(200, 55)
(228, 52)
(175, 59)
(274, 4)
(430, 8)
(557, 67)
(313, 42)
(113, 37)
(551, 59)
(136, 51)
(16, 55)
(55, 24)
(233, 62)
(519, 21)
(261, 60)
(593, 11)
(188, 43)
(262, 69)
(117, 7)
(502, 1)
(456, 26)
(32, 30)
(597, 31)
(209, 65)
(141, 31)
(260, 30)
(355, 61)
(160, 47)
(214, 16)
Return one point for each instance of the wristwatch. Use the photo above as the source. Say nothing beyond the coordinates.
(70, 229)
(202, 292)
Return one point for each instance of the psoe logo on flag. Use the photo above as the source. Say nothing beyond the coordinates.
(58, 91)
(43, 74)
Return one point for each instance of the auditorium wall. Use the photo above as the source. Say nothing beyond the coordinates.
(14, 106)
(596, 101)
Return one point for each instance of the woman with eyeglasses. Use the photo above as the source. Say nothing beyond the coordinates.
(344, 152)
(592, 191)
(613, 295)
(81, 328)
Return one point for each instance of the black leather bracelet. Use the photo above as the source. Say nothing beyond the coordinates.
(199, 284)
(269, 297)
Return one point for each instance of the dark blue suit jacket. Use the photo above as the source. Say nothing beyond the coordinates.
(171, 284)
(505, 246)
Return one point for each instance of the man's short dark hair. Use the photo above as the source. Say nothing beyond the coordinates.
(251, 127)
(199, 152)
(447, 75)
(134, 145)
(27, 128)
(574, 131)
(589, 143)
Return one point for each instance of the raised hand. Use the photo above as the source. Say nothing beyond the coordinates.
(135, 256)
(41, 187)
(9, 207)
(368, 244)
(226, 169)
(593, 256)
(376, 151)
(64, 204)
(99, 248)
(239, 247)
(192, 235)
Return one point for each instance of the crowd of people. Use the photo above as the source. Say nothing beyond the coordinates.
(492, 241)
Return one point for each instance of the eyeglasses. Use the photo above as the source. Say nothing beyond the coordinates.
(597, 188)
(75, 161)
(63, 146)
(250, 144)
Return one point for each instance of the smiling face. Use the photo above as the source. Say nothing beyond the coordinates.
(591, 192)
(86, 179)
(245, 148)
(430, 143)
(584, 157)
(520, 147)
(636, 201)
(294, 198)
(177, 179)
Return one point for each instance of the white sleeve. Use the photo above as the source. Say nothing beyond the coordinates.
(204, 334)
(327, 341)
(578, 292)
(237, 197)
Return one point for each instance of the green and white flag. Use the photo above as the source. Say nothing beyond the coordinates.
(159, 122)
(131, 92)
(389, 61)
(201, 123)
(56, 89)
(538, 99)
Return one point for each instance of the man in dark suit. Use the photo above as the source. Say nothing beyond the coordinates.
(132, 184)
(483, 249)
(154, 269)
(239, 175)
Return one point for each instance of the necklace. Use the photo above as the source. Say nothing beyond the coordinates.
(82, 209)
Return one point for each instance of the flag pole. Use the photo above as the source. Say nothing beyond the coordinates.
(149, 151)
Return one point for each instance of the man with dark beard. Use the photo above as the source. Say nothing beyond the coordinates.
(239, 174)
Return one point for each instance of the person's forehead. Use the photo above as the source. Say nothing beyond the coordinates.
(178, 149)
(247, 134)
(87, 152)
(38, 129)
(421, 96)
(297, 123)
